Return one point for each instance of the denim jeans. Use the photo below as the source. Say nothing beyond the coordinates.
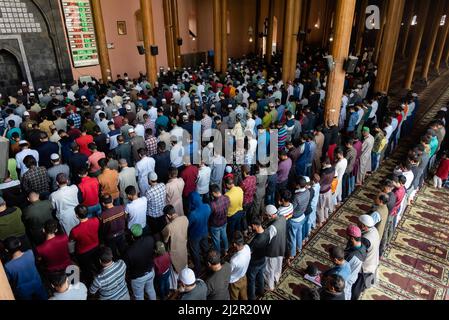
(256, 280)
(143, 285)
(307, 227)
(94, 211)
(234, 223)
(375, 161)
(351, 184)
(163, 283)
(295, 236)
(218, 235)
(198, 246)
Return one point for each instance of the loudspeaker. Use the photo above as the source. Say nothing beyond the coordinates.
(329, 63)
(351, 64)
(141, 50)
(179, 41)
(154, 50)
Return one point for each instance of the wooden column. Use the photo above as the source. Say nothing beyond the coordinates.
(257, 29)
(423, 10)
(389, 43)
(176, 34)
(446, 54)
(217, 35)
(380, 33)
(102, 46)
(287, 46)
(344, 16)
(360, 27)
(224, 35)
(294, 39)
(330, 8)
(5, 288)
(407, 25)
(441, 43)
(432, 39)
(304, 23)
(148, 40)
(269, 53)
(169, 33)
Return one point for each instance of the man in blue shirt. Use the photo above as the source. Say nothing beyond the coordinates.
(341, 268)
(198, 229)
(22, 273)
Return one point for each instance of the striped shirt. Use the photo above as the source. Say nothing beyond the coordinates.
(287, 212)
(282, 138)
(110, 282)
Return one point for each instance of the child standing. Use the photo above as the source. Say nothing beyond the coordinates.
(442, 171)
(162, 263)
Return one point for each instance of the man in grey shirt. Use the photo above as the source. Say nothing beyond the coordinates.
(66, 291)
(218, 282)
(191, 288)
(56, 169)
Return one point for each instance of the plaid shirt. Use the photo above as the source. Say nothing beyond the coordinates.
(36, 179)
(219, 211)
(156, 200)
(76, 119)
(151, 144)
(249, 189)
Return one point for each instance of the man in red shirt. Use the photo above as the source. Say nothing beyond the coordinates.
(89, 193)
(248, 186)
(54, 254)
(190, 177)
(83, 142)
(85, 236)
(399, 192)
(96, 155)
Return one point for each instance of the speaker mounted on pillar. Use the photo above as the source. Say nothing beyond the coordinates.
(141, 50)
(351, 64)
(154, 50)
(330, 64)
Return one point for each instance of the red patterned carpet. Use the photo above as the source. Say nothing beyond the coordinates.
(416, 264)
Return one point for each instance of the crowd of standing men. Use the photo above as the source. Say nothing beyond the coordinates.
(102, 176)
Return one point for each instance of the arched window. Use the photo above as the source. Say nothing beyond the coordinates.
(139, 26)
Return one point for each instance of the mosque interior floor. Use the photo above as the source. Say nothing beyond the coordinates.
(415, 265)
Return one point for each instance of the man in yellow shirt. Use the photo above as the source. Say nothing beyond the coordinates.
(235, 210)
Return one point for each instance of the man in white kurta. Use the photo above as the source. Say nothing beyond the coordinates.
(365, 158)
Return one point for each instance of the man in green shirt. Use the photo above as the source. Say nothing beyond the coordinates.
(10, 222)
(35, 216)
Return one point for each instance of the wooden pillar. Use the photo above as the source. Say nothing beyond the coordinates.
(387, 53)
(407, 25)
(217, 35)
(304, 23)
(102, 46)
(176, 33)
(433, 38)
(446, 54)
(269, 53)
(380, 33)
(148, 40)
(5, 288)
(441, 43)
(423, 10)
(330, 8)
(224, 35)
(287, 46)
(169, 33)
(294, 39)
(344, 16)
(257, 28)
(360, 27)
